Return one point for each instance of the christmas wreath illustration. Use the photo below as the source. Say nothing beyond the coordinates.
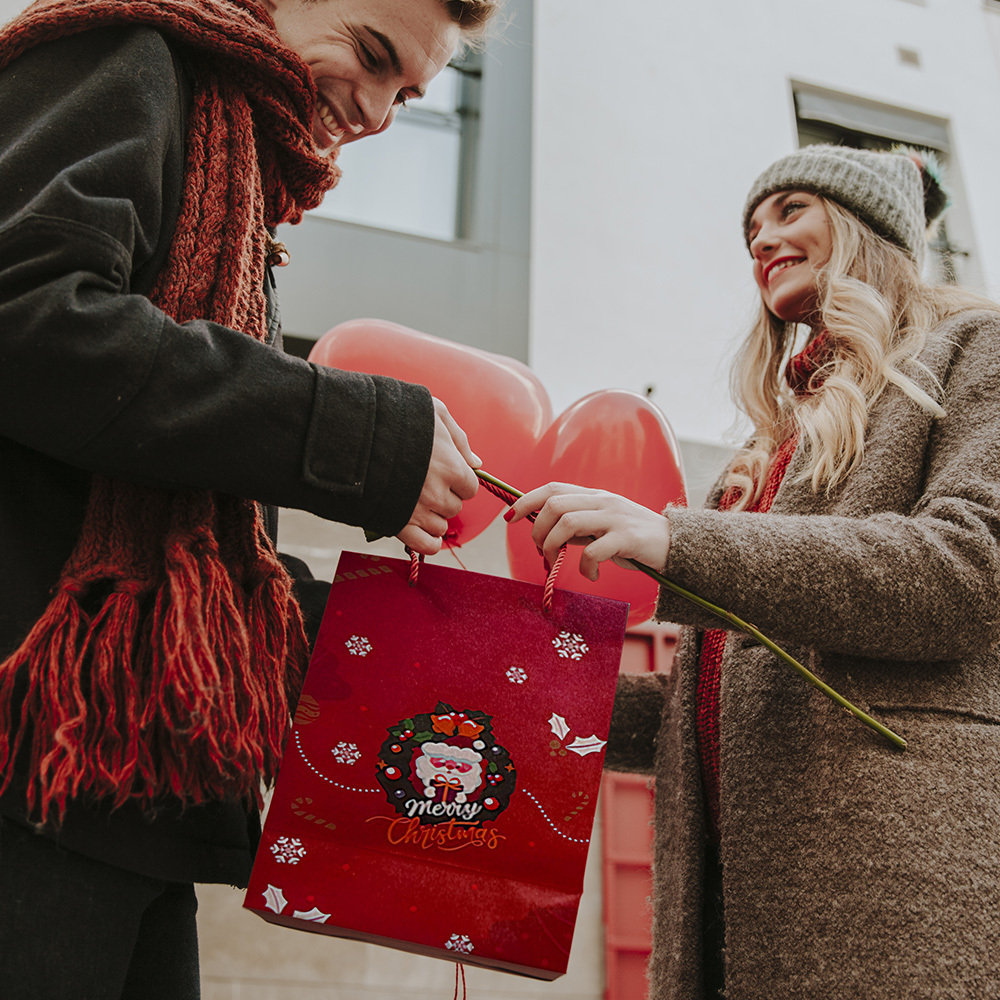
(446, 765)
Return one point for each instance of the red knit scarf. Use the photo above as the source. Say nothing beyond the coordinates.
(804, 375)
(164, 664)
(806, 371)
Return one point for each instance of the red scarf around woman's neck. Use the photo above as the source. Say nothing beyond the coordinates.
(806, 371)
(178, 682)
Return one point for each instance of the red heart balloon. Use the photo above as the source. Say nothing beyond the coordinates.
(614, 440)
(497, 401)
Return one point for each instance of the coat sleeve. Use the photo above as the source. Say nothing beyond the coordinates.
(919, 585)
(94, 375)
(635, 723)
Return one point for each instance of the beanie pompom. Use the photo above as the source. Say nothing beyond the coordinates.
(936, 196)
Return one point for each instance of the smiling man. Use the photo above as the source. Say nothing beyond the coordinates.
(151, 639)
(367, 58)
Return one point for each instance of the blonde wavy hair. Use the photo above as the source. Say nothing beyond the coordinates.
(878, 311)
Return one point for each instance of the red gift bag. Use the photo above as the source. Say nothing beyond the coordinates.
(438, 789)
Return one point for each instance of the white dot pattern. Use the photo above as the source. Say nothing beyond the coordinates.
(565, 836)
(349, 788)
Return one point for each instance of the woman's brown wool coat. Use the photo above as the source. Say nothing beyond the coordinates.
(851, 869)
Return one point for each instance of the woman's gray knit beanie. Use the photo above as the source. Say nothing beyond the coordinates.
(898, 194)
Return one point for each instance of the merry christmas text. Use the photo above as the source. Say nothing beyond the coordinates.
(467, 811)
(450, 836)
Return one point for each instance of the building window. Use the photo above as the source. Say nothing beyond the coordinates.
(823, 117)
(416, 176)
(430, 224)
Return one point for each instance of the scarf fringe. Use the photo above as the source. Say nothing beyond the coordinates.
(203, 715)
(165, 662)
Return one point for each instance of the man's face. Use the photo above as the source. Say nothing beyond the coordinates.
(367, 58)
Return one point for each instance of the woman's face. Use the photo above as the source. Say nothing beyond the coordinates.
(790, 242)
(367, 57)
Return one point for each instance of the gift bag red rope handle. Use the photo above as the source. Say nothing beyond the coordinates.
(496, 488)
(416, 558)
(508, 494)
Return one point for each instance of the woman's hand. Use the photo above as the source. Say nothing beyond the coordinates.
(607, 525)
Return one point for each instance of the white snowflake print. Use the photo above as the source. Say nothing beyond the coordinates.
(358, 645)
(346, 753)
(570, 646)
(516, 675)
(459, 943)
(288, 850)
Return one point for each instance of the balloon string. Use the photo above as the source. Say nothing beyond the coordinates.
(502, 490)
(454, 552)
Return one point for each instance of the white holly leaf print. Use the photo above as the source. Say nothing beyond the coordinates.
(558, 725)
(274, 898)
(586, 744)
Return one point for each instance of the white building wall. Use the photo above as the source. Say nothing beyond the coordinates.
(648, 130)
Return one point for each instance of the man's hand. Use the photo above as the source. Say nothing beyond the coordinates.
(449, 481)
